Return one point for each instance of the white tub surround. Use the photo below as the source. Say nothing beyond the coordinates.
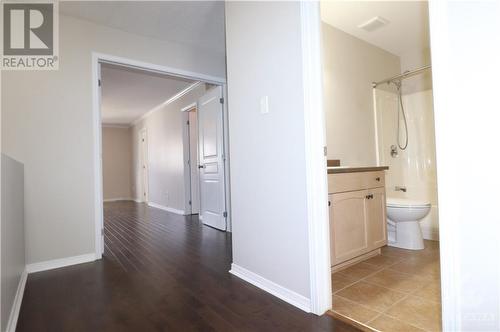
(413, 169)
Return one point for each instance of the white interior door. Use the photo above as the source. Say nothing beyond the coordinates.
(211, 151)
(144, 165)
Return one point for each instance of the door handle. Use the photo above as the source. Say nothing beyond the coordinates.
(369, 196)
(201, 166)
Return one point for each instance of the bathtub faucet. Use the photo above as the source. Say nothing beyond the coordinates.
(400, 188)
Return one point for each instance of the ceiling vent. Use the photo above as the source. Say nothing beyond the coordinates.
(373, 24)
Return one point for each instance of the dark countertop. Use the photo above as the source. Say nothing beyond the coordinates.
(349, 169)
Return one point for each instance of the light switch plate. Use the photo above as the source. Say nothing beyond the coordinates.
(264, 104)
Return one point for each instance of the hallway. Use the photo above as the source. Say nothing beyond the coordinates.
(160, 272)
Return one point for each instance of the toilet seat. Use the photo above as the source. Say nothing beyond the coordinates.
(406, 203)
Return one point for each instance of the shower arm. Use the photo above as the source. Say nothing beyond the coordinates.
(402, 76)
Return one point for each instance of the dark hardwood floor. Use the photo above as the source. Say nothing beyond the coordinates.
(160, 272)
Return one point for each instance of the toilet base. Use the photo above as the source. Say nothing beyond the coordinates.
(405, 235)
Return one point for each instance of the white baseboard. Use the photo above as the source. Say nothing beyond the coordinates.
(280, 292)
(57, 263)
(16, 305)
(118, 199)
(166, 208)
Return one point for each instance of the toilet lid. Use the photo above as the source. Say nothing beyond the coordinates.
(406, 202)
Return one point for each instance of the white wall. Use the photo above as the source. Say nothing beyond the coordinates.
(12, 230)
(117, 163)
(268, 176)
(465, 43)
(350, 66)
(47, 124)
(165, 152)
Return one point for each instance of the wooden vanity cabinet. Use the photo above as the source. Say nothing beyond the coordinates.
(377, 219)
(357, 215)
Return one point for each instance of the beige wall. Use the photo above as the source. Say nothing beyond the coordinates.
(350, 66)
(164, 129)
(12, 234)
(117, 163)
(47, 123)
(412, 61)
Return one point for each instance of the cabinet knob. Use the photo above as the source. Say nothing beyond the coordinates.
(329, 203)
(370, 196)
(377, 178)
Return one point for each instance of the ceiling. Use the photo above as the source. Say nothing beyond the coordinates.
(408, 30)
(194, 23)
(128, 94)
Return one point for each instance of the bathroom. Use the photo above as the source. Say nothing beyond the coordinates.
(384, 227)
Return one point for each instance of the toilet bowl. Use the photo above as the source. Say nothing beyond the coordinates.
(403, 227)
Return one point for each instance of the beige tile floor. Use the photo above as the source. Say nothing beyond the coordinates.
(398, 290)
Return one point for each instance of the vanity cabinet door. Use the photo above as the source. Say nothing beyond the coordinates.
(348, 225)
(377, 222)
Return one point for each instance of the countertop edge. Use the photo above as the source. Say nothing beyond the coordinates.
(356, 169)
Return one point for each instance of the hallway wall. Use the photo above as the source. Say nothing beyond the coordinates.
(165, 153)
(48, 125)
(117, 163)
(268, 176)
(13, 262)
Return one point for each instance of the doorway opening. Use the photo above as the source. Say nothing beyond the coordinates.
(143, 167)
(191, 158)
(382, 186)
(152, 151)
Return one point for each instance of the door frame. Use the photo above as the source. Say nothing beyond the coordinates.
(186, 139)
(315, 152)
(97, 59)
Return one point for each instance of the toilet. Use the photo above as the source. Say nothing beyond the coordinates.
(403, 227)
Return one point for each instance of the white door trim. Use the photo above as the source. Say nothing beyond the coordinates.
(186, 140)
(190, 107)
(130, 63)
(98, 58)
(315, 142)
